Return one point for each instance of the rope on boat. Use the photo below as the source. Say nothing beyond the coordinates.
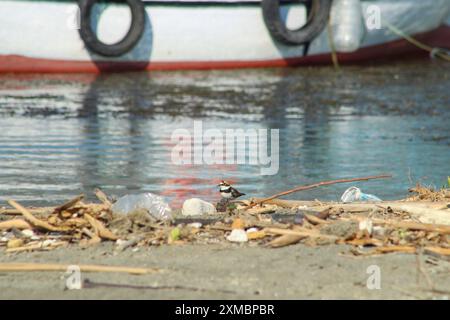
(434, 52)
(334, 56)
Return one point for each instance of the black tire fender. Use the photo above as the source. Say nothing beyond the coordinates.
(317, 20)
(132, 37)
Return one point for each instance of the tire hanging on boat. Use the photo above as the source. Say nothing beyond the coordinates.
(316, 22)
(123, 46)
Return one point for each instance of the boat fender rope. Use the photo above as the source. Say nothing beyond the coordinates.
(317, 21)
(434, 52)
(133, 35)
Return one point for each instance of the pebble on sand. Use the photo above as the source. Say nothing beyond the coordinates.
(238, 235)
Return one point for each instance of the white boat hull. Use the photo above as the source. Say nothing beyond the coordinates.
(38, 37)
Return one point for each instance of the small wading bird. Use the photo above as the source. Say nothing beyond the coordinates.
(228, 192)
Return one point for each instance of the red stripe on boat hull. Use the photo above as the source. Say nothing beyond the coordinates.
(20, 64)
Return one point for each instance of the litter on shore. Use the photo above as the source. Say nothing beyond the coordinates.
(417, 224)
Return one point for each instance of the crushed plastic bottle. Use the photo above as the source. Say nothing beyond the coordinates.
(353, 194)
(154, 204)
(347, 25)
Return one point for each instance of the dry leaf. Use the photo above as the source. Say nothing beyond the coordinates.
(100, 229)
(14, 243)
(238, 223)
(285, 240)
(256, 235)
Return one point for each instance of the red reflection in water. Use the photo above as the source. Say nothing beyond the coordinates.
(192, 180)
(187, 185)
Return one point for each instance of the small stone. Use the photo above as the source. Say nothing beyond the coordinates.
(252, 230)
(366, 225)
(379, 231)
(228, 220)
(197, 207)
(121, 242)
(222, 205)
(14, 243)
(195, 225)
(238, 235)
(48, 242)
(342, 229)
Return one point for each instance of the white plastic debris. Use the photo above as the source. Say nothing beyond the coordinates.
(366, 225)
(197, 207)
(27, 233)
(238, 235)
(252, 230)
(6, 237)
(196, 225)
(353, 194)
(154, 204)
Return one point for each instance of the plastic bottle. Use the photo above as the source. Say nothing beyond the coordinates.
(355, 194)
(347, 25)
(154, 204)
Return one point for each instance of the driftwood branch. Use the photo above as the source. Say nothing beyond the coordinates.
(35, 221)
(303, 232)
(100, 229)
(410, 225)
(37, 246)
(102, 197)
(14, 224)
(69, 204)
(411, 249)
(285, 240)
(316, 185)
(30, 267)
(15, 212)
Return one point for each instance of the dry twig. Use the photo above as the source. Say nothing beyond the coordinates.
(316, 185)
(37, 267)
(14, 224)
(35, 221)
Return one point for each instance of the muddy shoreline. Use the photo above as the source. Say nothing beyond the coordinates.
(227, 271)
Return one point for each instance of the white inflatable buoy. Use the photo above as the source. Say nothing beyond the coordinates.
(348, 26)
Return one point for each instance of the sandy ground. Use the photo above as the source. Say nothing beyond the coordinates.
(228, 272)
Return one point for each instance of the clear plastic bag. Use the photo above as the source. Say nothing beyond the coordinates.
(353, 194)
(154, 204)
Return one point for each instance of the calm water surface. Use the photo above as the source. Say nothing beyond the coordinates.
(62, 135)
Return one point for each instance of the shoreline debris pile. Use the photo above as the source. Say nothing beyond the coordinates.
(418, 224)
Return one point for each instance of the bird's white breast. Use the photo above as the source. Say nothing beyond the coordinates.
(226, 195)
